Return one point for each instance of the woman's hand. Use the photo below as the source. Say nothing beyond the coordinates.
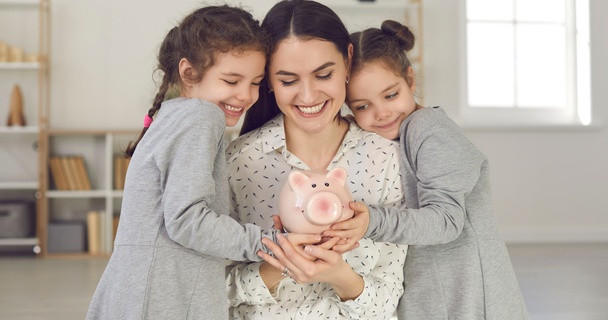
(328, 266)
(272, 270)
(351, 230)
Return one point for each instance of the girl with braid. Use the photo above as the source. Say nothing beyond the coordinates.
(175, 231)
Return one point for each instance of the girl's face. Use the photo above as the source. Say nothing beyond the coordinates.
(380, 100)
(308, 78)
(232, 82)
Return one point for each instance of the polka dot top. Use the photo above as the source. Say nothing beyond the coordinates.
(258, 163)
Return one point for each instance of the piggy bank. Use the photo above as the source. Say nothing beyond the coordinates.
(311, 201)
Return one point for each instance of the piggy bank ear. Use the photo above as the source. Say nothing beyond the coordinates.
(296, 178)
(339, 174)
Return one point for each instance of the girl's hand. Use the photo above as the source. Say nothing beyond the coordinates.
(277, 222)
(351, 230)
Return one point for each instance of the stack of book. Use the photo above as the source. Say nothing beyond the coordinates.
(120, 171)
(69, 173)
(96, 230)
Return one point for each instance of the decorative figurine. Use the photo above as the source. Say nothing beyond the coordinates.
(15, 115)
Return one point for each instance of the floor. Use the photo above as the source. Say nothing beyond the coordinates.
(559, 282)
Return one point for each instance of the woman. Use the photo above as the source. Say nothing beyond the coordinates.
(296, 124)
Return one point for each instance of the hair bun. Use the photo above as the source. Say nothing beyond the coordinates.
(401, 33)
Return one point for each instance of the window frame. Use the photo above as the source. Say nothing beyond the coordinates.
(578, 111)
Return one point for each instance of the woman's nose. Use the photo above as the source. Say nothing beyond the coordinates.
(308, 93)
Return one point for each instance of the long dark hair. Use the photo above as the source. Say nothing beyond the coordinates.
(304, 20)
(199, 38)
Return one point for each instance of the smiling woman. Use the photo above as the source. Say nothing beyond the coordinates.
(297, 124)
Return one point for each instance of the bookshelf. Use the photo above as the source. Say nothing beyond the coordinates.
(73, 209)
(24, 28)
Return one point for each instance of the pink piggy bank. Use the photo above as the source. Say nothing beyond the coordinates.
(313, 200)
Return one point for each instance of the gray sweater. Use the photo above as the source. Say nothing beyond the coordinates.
(457, 266)
(175, 233)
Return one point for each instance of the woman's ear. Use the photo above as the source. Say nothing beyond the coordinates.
(186, 71)
(349, 60)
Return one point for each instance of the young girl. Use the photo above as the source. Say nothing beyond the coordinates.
(175, 232)
(457, 266)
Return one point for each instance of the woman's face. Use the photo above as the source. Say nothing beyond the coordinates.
(308, 78)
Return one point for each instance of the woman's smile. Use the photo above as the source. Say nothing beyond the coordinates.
(312, 110)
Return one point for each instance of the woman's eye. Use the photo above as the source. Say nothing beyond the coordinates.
(232, 83)
(326, 76)
(286, 83)
(257, 84)
(392, 96)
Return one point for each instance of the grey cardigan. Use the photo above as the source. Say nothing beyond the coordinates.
(175, 233)
(457, 266)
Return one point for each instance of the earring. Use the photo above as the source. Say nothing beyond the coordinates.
(346, 80)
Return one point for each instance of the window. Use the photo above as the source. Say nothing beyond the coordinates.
(527, 62)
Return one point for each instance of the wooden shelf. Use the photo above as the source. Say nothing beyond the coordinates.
(18, 241)
(24, 169)
(18, 185)
(98, 149)
(19, 130)
(20, 66)
(20, 3)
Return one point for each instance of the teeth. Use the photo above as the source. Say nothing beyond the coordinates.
(233, 109)
(313, 109)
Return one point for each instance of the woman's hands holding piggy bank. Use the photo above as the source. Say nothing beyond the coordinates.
(311, 201)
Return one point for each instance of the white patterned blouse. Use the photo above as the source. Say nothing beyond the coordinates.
(258, 163)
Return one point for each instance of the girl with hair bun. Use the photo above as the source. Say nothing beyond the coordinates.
(457, 265)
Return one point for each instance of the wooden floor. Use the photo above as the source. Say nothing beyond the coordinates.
(559, 282)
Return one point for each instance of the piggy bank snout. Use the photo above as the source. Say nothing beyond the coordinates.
(323, 208)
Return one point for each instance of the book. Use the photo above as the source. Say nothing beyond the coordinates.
(120, 171)
(103, 227)
(72, 183)
(115, 221)
(93, 232)
(58, 173)
(83, 176)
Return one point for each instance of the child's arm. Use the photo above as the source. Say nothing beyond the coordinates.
(442, 167)
(187, 163)
(351, 230)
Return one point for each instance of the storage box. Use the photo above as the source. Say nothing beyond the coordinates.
(16, 219)
(66, 236)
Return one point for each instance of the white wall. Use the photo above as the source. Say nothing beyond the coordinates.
(549, 185)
